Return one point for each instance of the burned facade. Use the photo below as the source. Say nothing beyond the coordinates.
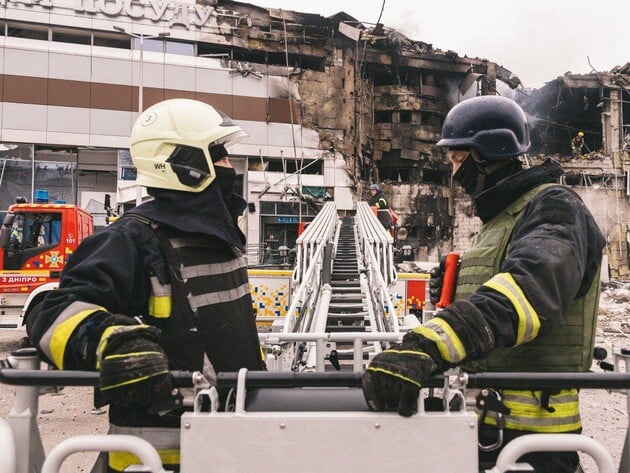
(377, 99)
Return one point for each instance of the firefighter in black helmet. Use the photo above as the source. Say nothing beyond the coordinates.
(377, 197)
(527, 292)
(163, 287)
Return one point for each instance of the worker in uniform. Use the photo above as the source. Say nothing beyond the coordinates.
(377, 197)
(527, 291)
(163, 287)
(577, 143)
(379, 202)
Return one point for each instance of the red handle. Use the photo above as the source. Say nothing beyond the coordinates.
(451, 265)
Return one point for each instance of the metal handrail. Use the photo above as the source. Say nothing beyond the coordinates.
(310, 250)
(377, 250)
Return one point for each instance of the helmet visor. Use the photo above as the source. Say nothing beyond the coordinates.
(190, 165)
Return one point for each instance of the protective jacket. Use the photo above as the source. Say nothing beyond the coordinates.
(379, 201)
(533, 272)
(192, 286)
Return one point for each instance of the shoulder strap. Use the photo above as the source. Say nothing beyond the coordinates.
(143, 219)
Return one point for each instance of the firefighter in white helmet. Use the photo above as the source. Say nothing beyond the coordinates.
(165, 286)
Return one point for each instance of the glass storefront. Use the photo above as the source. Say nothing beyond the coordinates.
(23, 171)
(16, 173)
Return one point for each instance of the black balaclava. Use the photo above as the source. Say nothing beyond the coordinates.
(212, 212)
(477, 175)
(468, 175)
(226, 177)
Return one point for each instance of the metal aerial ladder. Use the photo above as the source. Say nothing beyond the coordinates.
(347, 311)
(341, 308)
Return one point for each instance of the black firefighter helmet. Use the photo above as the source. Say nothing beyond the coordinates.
(495, 126)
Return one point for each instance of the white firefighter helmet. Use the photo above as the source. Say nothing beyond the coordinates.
(171, 141)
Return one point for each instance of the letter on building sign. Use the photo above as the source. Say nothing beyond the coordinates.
(203, 13)
(42, 3)
(158, 8)
(129, 10)
(180, 17)
(110, 7)
(86, 6)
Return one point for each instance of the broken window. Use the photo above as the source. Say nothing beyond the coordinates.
(384, 116)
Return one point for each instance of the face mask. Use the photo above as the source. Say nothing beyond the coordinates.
(226, 177)
(468, 175)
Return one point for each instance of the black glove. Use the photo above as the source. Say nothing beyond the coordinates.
(134, 368)
(436, 281)
(393, 379)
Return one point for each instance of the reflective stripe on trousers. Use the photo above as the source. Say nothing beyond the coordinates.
(527, 414)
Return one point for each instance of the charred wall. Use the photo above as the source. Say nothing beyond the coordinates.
(379, 100)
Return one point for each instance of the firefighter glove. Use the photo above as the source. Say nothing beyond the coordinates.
(393, 379)
(133, 366)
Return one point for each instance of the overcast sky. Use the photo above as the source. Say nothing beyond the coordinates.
(538, 40)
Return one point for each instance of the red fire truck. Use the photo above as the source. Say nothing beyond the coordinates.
(36, 241)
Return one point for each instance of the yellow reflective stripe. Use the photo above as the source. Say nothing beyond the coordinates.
(518, 397)
(132, 381)
(159, 303)
(127, 355)
(527, 414)
(102, 344)
(396, 375)
(530, 425)
(528, 320)
(160, 306)
(121, 460)
(62, 333)
(439, 331)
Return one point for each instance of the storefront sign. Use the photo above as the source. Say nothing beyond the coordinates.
(174, 12)
(287, 220)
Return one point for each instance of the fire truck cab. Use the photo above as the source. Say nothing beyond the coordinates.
(36, 241)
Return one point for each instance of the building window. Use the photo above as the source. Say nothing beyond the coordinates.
(75, 36)
(112, 40)
(405, 116)
(27, 30)
(152, 45)
(180, 47)
(383, 117)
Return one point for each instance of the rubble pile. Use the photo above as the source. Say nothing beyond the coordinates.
(614, 309)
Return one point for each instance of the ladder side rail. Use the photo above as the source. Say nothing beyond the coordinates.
(302, 252)
(299, 309)
(306, 243)
(375, 321)
(372, 233)
(307, 291)
(380, 295)
(318, 326)
(376, 245)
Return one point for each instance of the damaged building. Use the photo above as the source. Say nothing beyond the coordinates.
(330, 105)
(596, 105)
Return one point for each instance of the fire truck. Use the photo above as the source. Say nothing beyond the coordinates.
(36, 241)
